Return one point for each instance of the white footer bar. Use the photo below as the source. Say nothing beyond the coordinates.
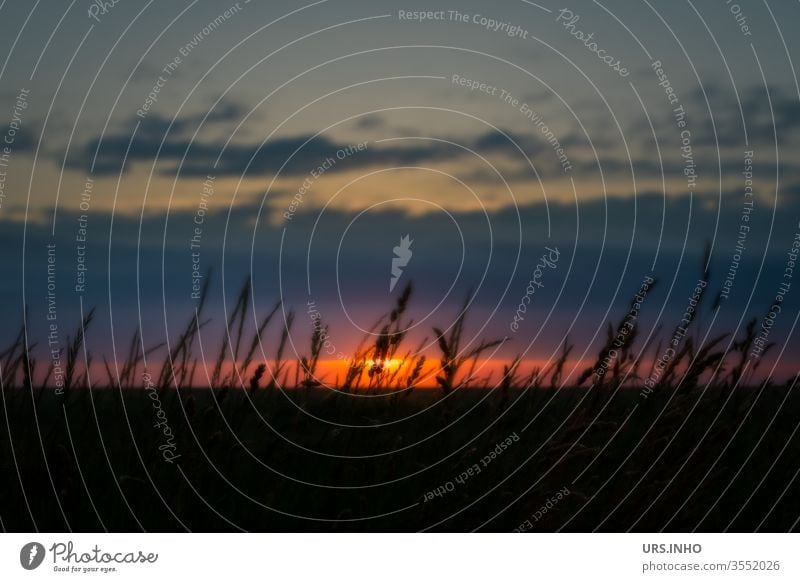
(399, 557)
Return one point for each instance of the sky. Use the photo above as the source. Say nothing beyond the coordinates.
(299, 142)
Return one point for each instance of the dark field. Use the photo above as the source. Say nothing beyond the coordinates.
(726, 459)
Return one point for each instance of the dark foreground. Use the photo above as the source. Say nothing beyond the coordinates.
(273, 461)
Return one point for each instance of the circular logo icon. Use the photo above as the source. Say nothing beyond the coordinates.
(31, 555)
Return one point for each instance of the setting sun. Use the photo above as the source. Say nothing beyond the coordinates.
(387, 365)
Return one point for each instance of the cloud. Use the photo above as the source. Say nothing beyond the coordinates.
(157, 124)
(371, 122)
(617, 242)
(303, 153)
(300, 154)
(25, 139)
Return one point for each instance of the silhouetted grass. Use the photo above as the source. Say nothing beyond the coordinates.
(678, 457)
